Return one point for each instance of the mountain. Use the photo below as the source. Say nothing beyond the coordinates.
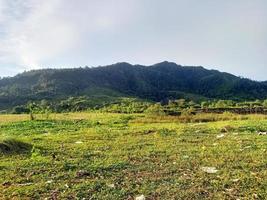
(156, 82)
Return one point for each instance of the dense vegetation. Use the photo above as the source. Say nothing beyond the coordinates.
(105, 84)
(125, 156)
(133, 105)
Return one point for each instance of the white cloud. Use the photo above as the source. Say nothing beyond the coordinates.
(37, 31)
(55, 33)
(2, 11)
(37, 35)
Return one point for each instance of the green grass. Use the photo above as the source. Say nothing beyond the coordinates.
(118, 156)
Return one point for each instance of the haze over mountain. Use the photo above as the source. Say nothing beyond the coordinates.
(156, 82)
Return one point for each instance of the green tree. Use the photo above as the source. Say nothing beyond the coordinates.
(34, 108)
(204, 105)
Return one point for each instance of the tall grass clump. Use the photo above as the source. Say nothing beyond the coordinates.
(12, 145)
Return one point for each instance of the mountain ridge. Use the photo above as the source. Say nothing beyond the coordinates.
(154, 82)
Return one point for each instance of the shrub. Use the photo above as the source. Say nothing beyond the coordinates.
(20, 110)
(155, 109)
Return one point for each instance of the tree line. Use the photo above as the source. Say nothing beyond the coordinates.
(135, 105)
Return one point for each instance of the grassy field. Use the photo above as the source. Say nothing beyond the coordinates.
(119, 156)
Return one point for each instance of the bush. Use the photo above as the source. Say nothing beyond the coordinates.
(155, 109)
(20, 110)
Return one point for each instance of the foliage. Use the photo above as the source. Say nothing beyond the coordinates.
(135, 105)
(155, 109)
(127, 105)
(20, 110)
(156, 83)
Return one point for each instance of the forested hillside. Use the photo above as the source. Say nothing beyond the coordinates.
(156, 83)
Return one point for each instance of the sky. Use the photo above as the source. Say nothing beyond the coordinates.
(227, 35)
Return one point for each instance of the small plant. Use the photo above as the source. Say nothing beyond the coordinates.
(166, 132)
(35, 153)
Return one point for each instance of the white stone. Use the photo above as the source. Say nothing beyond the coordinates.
(111, 185)
(220, 136)
(209, 170)
(142, 197)
(50, 181)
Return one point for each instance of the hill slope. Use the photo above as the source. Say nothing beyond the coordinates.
(156, 82)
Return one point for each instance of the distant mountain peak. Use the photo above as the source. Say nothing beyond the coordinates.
(166, 63)
(122, 63)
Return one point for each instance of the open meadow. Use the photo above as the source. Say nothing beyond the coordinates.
(133, 156)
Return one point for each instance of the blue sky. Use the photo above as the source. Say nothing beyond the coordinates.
(228, 35)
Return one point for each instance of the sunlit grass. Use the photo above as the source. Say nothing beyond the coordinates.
(120, 156)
